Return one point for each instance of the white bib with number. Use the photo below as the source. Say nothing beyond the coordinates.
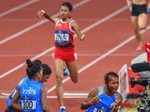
(28, 104)
(62, 38)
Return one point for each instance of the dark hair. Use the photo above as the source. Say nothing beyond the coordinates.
(108, 76)
(33, 67)
(68, 5)
(46, 69)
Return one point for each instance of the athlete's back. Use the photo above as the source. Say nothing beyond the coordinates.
(30, 95)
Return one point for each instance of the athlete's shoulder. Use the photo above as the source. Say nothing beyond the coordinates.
(23, 80)
(72, 21)
(118, 95)
(57, 19)
(101, 90)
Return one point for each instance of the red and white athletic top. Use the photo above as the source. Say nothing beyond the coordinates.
(64, 34)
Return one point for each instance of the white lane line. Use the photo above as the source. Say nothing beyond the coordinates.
(101, 57)
(15, 35)
(18, 7)
(84, 30)
(71, 95)
(5, 94)
(76, 95)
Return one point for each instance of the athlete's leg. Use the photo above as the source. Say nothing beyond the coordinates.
(59, 77)
(134, 20)
(72, 66)
(142, 22)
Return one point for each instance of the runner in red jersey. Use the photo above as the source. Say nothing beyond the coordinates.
(65, 30)
(64, 37)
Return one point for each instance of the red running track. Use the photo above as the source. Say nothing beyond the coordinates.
(97, 45)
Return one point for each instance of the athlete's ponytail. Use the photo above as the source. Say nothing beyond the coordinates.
(29, 63)
(33, 67)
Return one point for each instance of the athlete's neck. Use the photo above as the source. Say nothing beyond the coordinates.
(64, 19)
(35, 78)
(109, 92)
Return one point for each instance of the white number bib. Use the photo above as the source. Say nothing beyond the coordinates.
(62, 38)
(28, 104)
